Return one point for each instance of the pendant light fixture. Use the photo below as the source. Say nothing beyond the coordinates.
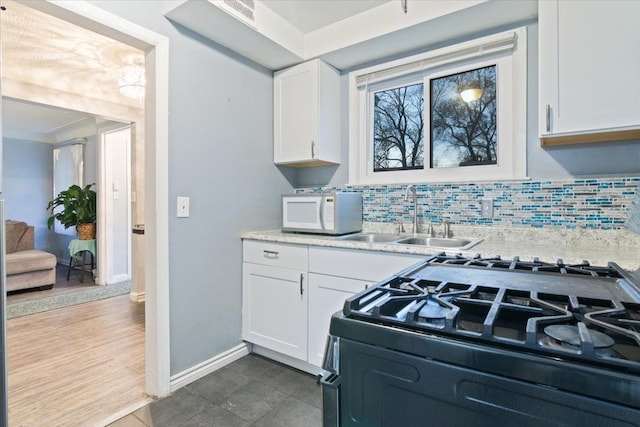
(469, 95)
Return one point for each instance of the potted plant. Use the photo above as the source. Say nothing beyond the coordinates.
(77, 207)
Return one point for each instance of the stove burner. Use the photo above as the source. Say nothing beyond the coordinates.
(433, 310)
(569, 334)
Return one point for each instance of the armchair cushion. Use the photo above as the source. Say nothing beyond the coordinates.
(19, 236)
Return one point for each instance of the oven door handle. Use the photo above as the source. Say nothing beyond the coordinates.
(330, 383)
(331, 380)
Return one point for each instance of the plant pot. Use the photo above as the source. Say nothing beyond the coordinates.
(86, 231)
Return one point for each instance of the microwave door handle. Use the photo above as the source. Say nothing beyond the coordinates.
(322, 212)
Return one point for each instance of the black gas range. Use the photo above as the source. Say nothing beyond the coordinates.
(485, 341)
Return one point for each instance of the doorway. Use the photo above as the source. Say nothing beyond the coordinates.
(155, 48)
(114, 216)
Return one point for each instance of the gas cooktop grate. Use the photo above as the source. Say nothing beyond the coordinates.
(583, 268)
(597, 330)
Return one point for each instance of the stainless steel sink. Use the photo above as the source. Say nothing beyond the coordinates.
(370, 237)
(458, 243)
(440, 242)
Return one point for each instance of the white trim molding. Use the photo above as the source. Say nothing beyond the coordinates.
(203, 369)
(136, 296)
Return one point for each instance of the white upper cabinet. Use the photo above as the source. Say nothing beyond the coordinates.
(589, 69)
(307, 115)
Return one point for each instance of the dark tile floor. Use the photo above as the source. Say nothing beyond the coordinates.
(252, 391)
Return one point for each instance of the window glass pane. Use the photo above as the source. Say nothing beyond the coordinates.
(398, 129)
(463, 132)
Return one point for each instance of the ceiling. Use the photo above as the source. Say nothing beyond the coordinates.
(35, 122)
(346, 34)
(39, 50)
(43, 51)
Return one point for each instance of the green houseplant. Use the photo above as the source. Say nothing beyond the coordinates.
(75, 206)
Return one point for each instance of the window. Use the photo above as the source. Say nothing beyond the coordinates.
(455, 114)
(398, 124)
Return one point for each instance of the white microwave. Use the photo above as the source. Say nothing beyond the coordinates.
(322, 213)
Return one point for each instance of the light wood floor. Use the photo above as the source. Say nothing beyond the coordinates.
(76, 366)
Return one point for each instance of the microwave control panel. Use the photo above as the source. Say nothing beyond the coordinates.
(329, 213)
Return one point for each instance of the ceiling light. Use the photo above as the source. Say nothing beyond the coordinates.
(131, 81)
(469, 95)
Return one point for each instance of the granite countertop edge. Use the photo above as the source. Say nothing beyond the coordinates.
(572, 246)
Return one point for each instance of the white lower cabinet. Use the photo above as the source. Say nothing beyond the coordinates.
(274, 297)
(274, 309)
(326, 296)
(290, 292)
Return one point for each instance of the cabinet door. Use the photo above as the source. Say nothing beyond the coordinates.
(296, 114)
(274, 305)
(326, 295)
(589, 65)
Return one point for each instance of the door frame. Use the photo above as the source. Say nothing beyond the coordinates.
(156, 49)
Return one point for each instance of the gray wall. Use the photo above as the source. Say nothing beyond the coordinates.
(614, 158)
(221, 156)
(90, 175)
(27, 182)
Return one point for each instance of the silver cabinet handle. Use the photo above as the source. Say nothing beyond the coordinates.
(313, 149)
(548, 117)
(301, 279)
(271, 254)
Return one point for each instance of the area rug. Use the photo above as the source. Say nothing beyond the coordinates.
(25, 308)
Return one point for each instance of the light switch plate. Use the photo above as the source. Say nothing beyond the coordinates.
(183, 207)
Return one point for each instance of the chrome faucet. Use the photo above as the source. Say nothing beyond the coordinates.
(447, 229)
(415, 206)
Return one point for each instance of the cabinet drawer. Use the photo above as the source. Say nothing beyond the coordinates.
(360, 265)
(276, 254)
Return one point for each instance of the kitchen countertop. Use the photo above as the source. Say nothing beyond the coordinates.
(572, 246)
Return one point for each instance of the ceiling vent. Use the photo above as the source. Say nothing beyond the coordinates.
(244, 9)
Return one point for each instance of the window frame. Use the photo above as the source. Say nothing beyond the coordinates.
(511, 76)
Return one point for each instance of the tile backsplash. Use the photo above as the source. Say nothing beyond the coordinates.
(599, 203)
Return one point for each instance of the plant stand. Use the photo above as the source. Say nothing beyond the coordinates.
(77, 247)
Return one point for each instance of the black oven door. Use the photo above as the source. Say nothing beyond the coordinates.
(378, 387)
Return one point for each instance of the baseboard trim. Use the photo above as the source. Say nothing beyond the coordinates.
(287, 360)
(202, 369)
(119, 278)
(136, 296)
